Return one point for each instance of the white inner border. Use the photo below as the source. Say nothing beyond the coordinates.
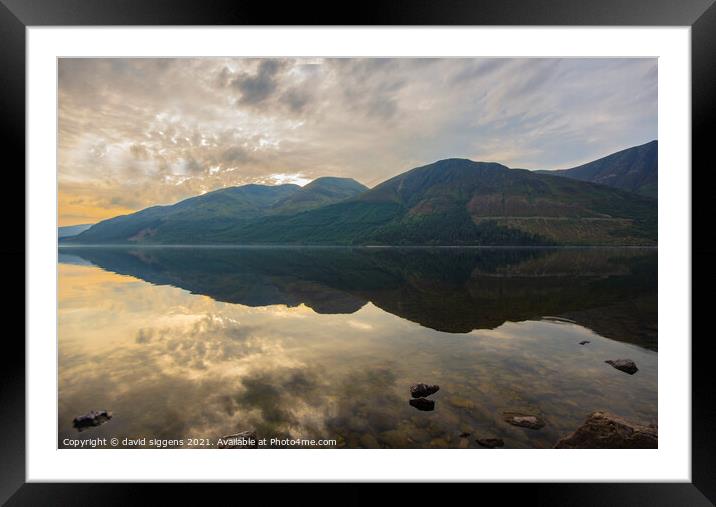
(671, 462)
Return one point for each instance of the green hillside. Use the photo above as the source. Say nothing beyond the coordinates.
(190, 220)
(634, 169)
(204, 218)
(319, 192)
(461, 202)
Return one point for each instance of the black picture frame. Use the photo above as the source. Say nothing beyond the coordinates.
(16, 15)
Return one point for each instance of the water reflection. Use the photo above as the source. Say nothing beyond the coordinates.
(323, 343)
(612, 291)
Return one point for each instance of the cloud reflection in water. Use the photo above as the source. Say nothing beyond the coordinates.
(172, 364)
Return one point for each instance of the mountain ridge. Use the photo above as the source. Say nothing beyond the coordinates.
(454, 201)
(633, 169)
(321, 191)
(72, 230)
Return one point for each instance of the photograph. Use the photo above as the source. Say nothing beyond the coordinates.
(406, 244)
(357, 253)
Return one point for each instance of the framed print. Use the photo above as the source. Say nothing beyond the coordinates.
(427, 244)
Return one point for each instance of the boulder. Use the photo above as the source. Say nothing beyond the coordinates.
(530, 421)
(602, 430)
(490, 443)
(242, 440)
(625, 365)
(423, 404)
(423, 390)
(92, 418)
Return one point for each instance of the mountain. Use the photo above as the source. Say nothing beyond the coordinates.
(449, 202)
(461, 202)
(200, 219)
(190, 220)
(634, 169)
(72, 230)
(319, 192)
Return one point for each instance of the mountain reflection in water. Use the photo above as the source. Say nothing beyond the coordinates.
(498, 330)
(611, 291)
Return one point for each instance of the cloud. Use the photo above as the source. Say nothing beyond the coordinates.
(235, 154)
(258, 87)
(297, 99)
(145, 131)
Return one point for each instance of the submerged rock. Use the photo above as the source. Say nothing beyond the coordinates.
(490, 443)
(242, 440)
(584, 342)
(423, 404)
(464, 435)
(532, 422)
(625, 365)
(92, 418)
(602, 430)
(423, 390)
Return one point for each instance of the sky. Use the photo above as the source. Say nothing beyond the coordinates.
(139, 132)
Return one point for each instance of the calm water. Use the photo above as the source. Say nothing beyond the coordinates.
(323, 343)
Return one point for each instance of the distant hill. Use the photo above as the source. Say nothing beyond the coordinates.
(190, 220)
(72, 230)
(319, 192)
(634, 169)
(201, 219)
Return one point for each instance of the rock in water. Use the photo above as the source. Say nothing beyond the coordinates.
(602, 430)
(490, 443)
(423, 404)
(532, 422)
(584, 342)
(423, 390)
(625, 365)
(242, 440)
(92, 418)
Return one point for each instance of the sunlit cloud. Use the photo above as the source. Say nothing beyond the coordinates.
(284, 178)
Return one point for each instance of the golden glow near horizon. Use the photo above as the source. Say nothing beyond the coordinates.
(139, 132)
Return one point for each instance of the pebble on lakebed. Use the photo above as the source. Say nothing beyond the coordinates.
(490, 443)
(532, 422)
(423, 390)
(423, 404)
(92, 418)
(625, 365)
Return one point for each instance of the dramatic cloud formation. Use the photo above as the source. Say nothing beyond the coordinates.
(139, 132)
